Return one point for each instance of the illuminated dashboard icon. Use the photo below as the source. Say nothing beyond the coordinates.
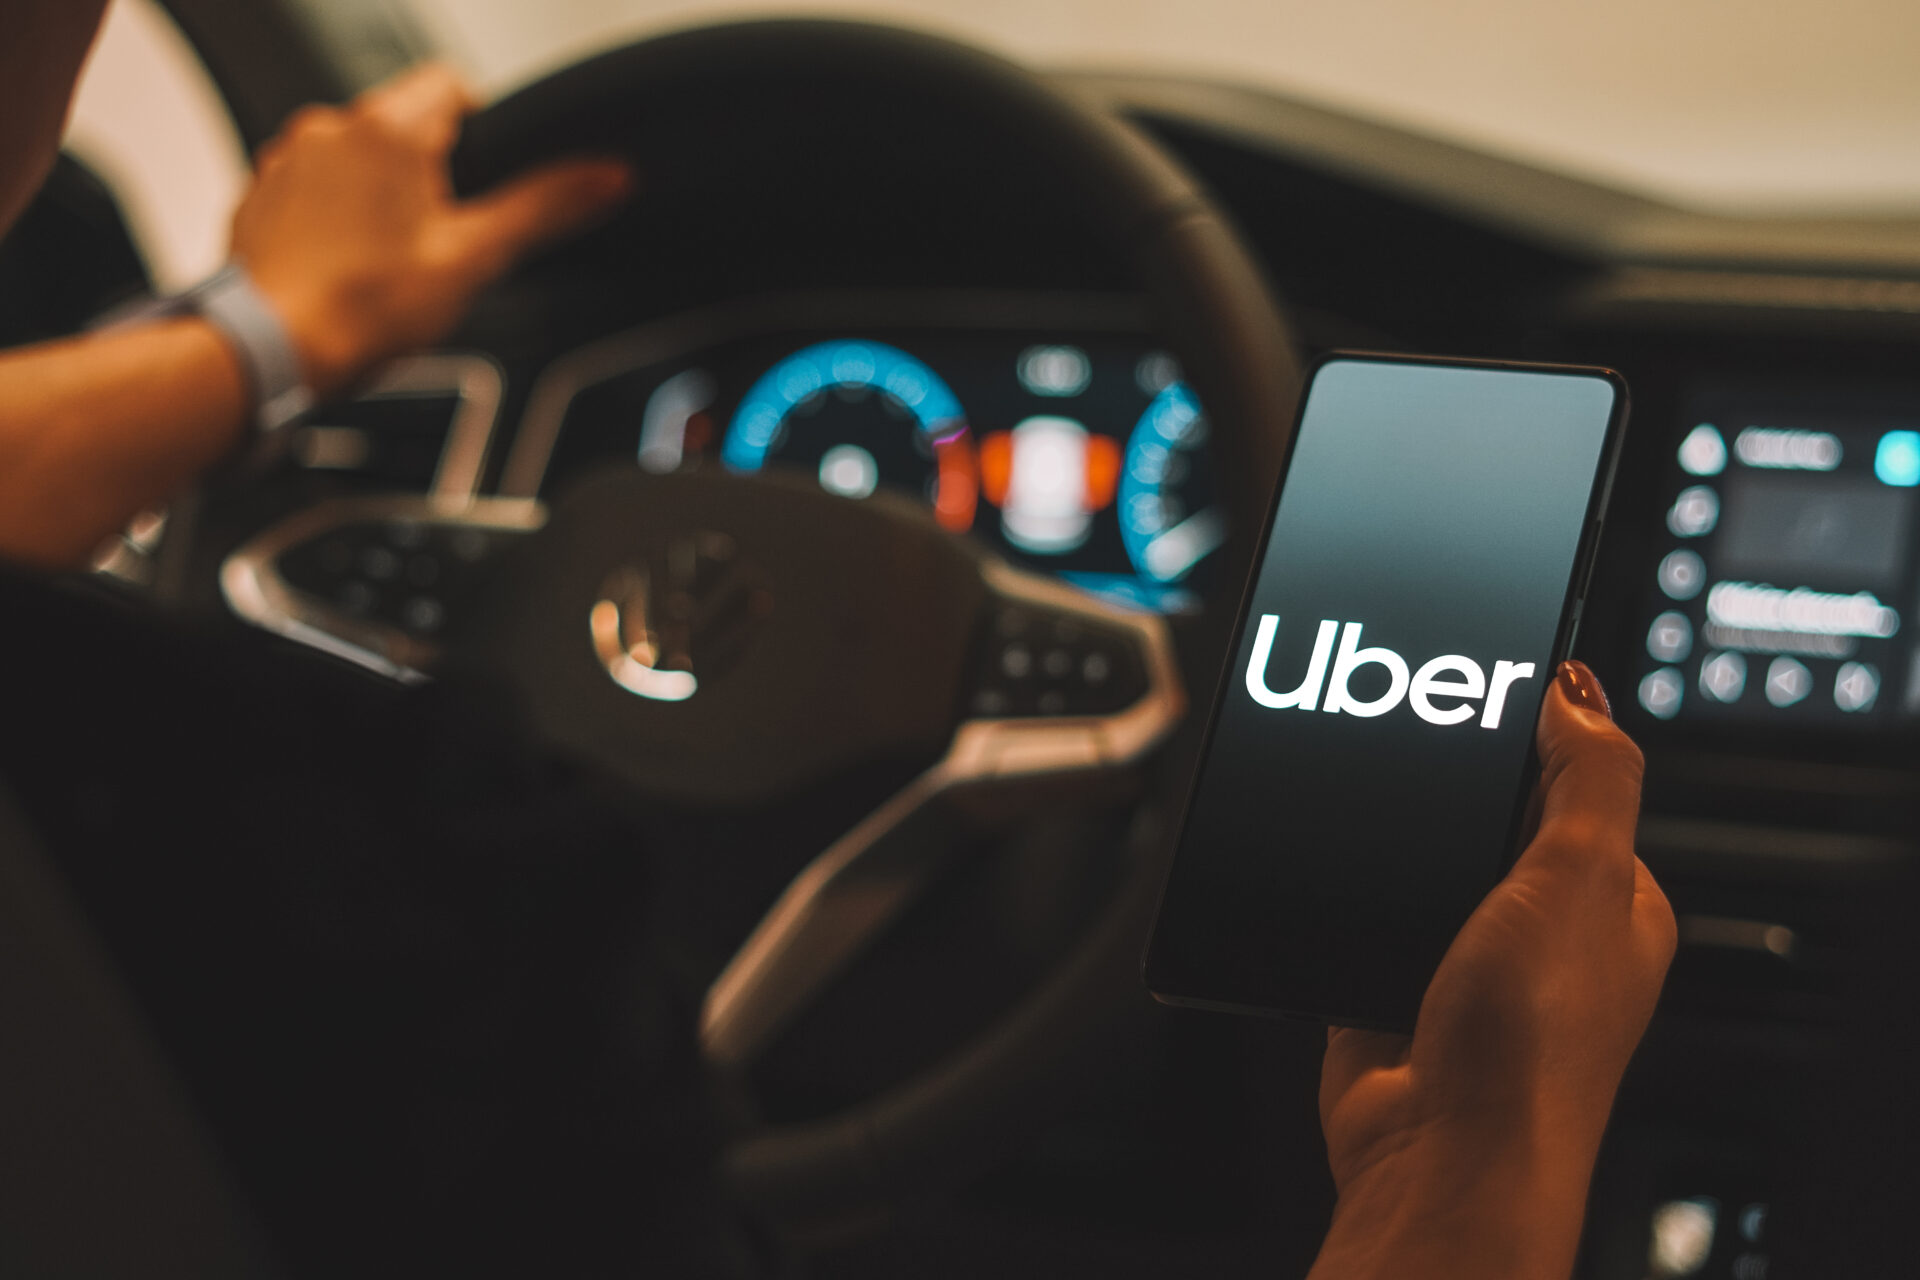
(1897, 459)
(849, 470)
(1723, 677)
(1670, 638)
(1168, 518)
(1856, 686)
(1156, 371)
(890, 405)
(1703, 452)
(675, 421)
(1682, 574)
(1694, 512)
(1661, 692)
(1788, 681)
(1681, 1239)
(1048, 476)
(1055, 371)
(1771, 448)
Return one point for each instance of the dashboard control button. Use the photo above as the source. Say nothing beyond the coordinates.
(1788, 681)
(1670, 638)
(1661, 693)
(1723, 677)
(1856, 686)
(1682, 574)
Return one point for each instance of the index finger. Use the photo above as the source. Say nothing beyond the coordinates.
(427, 102)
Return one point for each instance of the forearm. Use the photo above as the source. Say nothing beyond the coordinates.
(97, 428)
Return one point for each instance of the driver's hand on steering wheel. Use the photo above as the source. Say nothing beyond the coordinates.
(352, 231)
(1466, 1149)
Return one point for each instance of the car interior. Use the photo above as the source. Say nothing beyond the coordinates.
(1019, 350)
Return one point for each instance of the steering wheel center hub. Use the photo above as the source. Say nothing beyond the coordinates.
(654, 614)
(795, 634)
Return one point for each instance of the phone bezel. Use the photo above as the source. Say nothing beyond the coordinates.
(1599, 493)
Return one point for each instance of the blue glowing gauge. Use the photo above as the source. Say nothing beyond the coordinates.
(840, 407)
(1168, 517)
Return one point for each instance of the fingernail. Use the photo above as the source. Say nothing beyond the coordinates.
(1582, 688)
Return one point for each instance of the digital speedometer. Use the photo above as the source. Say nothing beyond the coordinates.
(1169, 519)
(860, 414)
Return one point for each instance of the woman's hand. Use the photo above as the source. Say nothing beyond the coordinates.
(1466, 1150)
(352, 231)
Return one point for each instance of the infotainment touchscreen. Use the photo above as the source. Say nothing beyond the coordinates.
(1785, 584)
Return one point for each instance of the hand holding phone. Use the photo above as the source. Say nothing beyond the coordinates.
(1465, 1150)
(1419, 579)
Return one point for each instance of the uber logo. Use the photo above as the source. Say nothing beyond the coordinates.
(1455, 680)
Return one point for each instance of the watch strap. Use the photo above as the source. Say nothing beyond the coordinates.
(229, 302)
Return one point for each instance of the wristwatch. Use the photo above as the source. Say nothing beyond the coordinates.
(229, 302)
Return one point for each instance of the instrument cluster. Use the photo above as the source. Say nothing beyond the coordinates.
(1079, 453)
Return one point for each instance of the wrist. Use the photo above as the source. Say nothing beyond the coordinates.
(331, 358)
(1440, 1209)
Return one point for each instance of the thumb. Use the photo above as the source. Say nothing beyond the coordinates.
(1589, 783)
(535, 208)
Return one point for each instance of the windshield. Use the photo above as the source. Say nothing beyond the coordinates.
(1801, 105)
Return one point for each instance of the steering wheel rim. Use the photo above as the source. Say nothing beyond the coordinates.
(1209, 302)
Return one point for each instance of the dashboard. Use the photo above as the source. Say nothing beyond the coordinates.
(1071, 449)
(1755, 611)
(1785, 591)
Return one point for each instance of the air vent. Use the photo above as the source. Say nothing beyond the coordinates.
(422, 427)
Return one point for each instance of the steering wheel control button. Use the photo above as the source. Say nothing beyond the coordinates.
(406, 575)
(424, 614)
(1052, 663)
(357, 598)
(991, 703)
(380, 564)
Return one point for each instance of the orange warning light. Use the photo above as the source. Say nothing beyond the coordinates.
(957, 487)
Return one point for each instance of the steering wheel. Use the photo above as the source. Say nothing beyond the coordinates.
(730, 641)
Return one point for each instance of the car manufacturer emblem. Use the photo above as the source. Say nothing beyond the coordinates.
(663, 624)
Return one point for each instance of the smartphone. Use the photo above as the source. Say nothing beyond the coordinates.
(1370, 751)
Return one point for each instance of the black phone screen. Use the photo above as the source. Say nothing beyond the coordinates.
(1361, 784)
